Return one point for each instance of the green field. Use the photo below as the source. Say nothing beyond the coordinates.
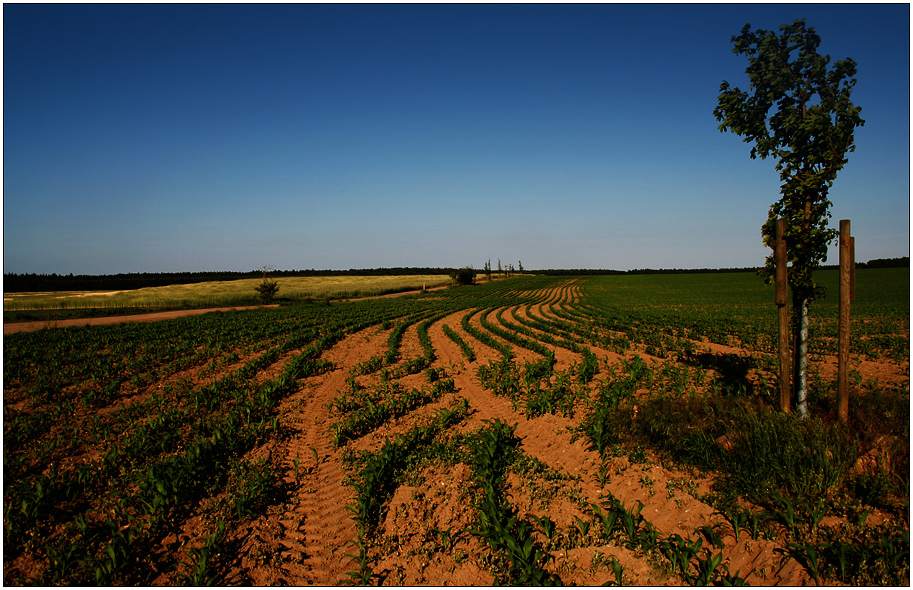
(120, 438)
(738, 309)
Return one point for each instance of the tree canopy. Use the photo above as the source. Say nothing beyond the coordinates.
(798, 111)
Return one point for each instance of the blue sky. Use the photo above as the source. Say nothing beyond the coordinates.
(165, 138)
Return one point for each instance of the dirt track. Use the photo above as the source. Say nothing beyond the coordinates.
(14, 327)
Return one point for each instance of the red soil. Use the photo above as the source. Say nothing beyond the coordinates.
(307, 540)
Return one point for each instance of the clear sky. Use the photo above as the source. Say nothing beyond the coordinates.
(167, 138)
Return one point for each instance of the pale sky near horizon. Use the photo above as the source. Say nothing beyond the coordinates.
(172, 137)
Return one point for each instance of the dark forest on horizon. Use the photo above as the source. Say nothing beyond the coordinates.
(31, 282)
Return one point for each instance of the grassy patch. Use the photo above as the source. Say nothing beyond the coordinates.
(220, 293)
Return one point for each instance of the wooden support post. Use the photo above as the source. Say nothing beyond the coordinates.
(782, 298)
(847, 264)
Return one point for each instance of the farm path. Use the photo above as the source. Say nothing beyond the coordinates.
(316, 531)
(15, 327)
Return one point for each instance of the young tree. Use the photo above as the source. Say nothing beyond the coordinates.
(267, 288)
(797, 111)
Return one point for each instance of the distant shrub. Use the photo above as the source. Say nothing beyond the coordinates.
(464, 276)
(267, 290)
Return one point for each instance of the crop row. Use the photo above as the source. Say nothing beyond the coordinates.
(368, 411)
(169, 463)
(113, 434)
(116, 481)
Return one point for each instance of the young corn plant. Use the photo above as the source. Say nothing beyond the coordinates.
(250, 485)
(609, 520)
(617, 569)
(741, 519)
(807, 554)
(464, 347)
(497, 523)
(116, 557)
(680, 551)
(787, 515)
(711, 533)
(589, 367)
(60, 560)
(547, 526)
(816, 513)
(200, 562)
(380, 473)
(583, 528)
(361, 576)
(708, 570)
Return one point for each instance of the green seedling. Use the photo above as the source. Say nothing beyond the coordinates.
(707, 569)
(631, 519)
(841, 553)
(609, 521)
(730, 579)
(807, 554)
(892, 551)
(361, 576)
(816, 513)
(616, 568)
(680, 552)
(737, 517)
(753, 523)
(712, 535)
(117, 553)
(200, 563)
(81, 524)
(448, 538)
(646, 536)
(59, 560)
(583, 527)
(546, 525)
(788, 516)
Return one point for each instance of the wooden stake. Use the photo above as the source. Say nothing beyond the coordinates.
(783, 309)
(843, 323)
(780, 260)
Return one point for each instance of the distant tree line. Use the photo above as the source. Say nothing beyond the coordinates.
(903, 262)
(558, 272)
(16, 283)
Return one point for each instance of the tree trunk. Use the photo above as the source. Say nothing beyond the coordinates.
(800, 307)
(801, 364)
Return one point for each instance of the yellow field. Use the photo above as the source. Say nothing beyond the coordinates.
(223, 292)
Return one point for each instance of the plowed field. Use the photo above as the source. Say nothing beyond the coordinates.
(239, 448)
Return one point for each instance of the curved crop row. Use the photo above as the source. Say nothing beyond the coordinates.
(118, 437)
